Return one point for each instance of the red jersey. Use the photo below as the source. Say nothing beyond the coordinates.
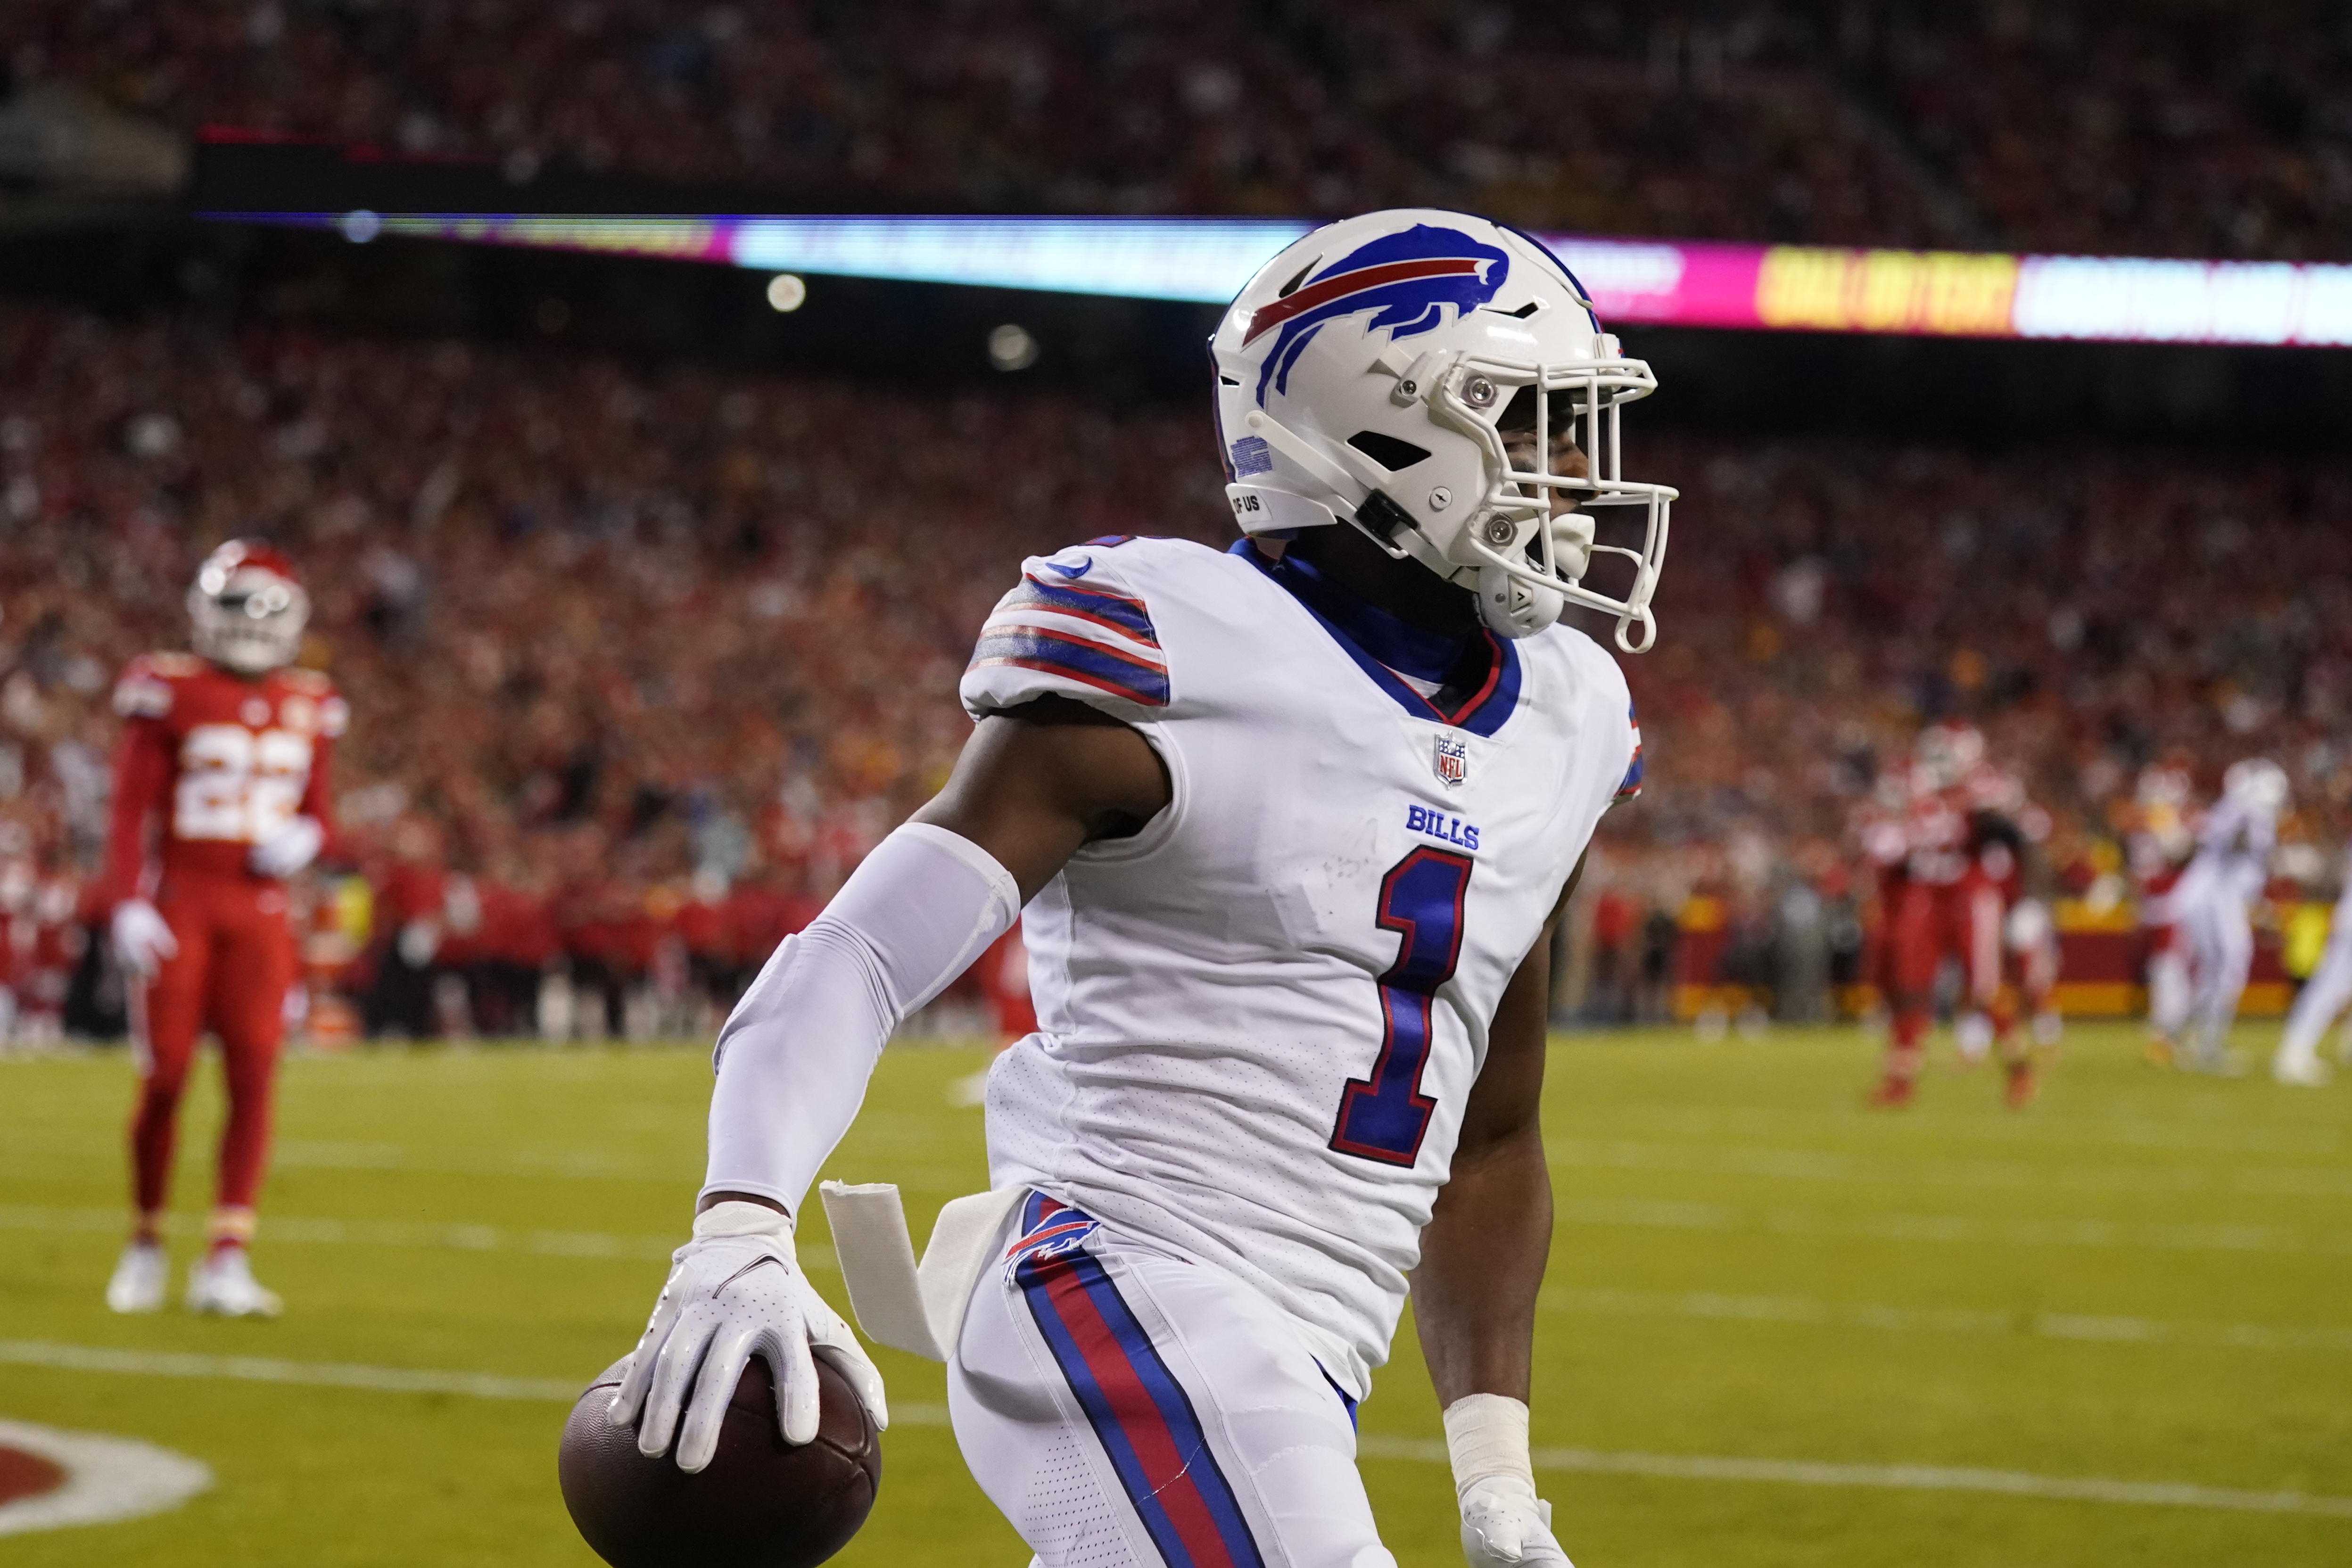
(1912, 831)
(220, 762)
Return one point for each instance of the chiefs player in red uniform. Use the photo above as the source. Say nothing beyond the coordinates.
(1944, 833)
(220, 795)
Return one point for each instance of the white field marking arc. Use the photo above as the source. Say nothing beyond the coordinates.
(107, 1478)
(2071, 1328)
(587, 1244)
(1673, 1216)
(1675, 1466)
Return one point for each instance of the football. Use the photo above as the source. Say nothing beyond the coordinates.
(760, 1503)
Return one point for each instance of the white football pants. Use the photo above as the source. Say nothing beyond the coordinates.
(2324, 996)
(1126, 1407)
(2220, 940)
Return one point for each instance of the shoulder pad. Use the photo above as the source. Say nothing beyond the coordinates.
(1632, 785)
(309, 682)
(174, 665)
(144, 691)
(141, 696)
(1078, 625)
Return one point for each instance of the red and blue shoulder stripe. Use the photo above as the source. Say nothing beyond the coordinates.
(1632, 785)
(1091, 634)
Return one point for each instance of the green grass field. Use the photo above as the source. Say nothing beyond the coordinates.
(2132, 1304)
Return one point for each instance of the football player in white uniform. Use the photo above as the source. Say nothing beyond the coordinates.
(1293, 824)
(2322, 1000)
(2211, 905)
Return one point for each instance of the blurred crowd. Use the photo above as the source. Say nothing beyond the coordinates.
(645, 661)
(2196, 129)
(642, 660)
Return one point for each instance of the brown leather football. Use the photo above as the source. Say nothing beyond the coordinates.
(760, 1503)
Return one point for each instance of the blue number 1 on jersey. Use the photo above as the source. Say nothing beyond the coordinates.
(1383, 1116)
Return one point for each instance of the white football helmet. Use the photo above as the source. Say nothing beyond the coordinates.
(1947, 752)
(246, 609)
(2258, 783)
(1381, 372)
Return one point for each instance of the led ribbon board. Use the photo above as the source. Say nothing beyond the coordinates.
(1649, 282)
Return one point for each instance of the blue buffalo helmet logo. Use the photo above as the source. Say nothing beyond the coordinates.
(1409, 278)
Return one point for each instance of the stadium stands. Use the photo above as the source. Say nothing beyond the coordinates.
(641, 661)
(2055, 128)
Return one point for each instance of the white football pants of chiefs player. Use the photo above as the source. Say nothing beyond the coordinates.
(1126, 1407)
(2220, 940)
(2324, 997)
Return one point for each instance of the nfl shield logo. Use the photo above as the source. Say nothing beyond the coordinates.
(1453, 760)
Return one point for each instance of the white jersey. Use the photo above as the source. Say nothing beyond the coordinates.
(1260, 1017)
(2233, 855)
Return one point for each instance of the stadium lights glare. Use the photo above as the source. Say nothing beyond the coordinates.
(1010, 347)
(1633, 282)
(786, 292)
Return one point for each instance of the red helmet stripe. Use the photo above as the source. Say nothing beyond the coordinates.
(252, 555)
(1345, 283)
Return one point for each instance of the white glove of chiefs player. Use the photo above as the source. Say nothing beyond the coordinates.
(142, 938)
(288, 849)
(735, 1291)
(1506, 1525)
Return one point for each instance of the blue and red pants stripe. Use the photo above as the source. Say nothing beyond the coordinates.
(1142, 1415)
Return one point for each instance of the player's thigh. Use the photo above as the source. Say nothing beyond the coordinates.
(167, 1010)
(2331, 981)
(1914, 938)
(1126, 1407)
(1977, 913)
(254, 969)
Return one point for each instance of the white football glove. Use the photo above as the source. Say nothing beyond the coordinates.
(288, 850)
(735, 1291)
(142, 938)
(1506, 1525)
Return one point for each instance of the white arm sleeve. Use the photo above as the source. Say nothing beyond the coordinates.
(794, 1056)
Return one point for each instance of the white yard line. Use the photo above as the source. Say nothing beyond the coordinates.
(1931, 1227)
(1896, 1478)
(1710, 1305)
(2068, 1327)
(388, 1233)
(1881, 1168)
(1671, 1466)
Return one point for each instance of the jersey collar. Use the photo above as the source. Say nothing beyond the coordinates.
(1479, 675)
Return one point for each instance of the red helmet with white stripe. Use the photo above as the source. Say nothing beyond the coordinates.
(247, 608)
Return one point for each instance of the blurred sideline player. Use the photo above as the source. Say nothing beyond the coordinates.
(2323, 998)
(224, 759)
(1948, 833)
(2160, 849)
(1294, 823)
(2011, 961)
(2210, 907)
